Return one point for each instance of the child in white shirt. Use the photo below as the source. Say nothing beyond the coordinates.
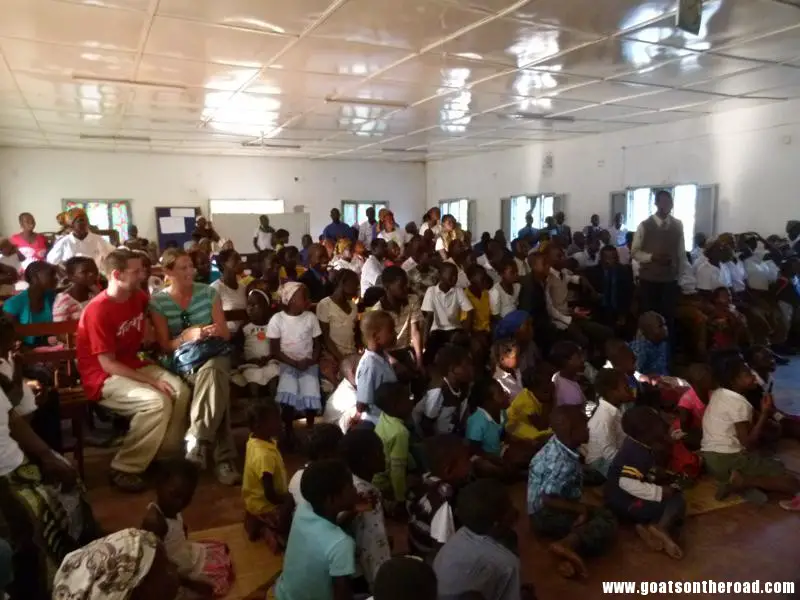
(259, 369)
(341, 406)
(442, 307)
(605, 422)
(295, 339)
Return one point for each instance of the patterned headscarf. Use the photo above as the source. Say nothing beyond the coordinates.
(73, 214)
(288, 290)
(107, 569)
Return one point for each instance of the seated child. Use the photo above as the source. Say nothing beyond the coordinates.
(478, 295)
(650, 345)
(605, 420)
(431, 517)
(727, 327)
(362, 451)
(688, 428)
(374, 368)
(505, 366)
(484, 431)
(504, 295)
(405, 577)
(394, 402)
(259, 369)
(267, 502)
(320, 558)
(442, 307)
(340, 408)
(82, 274)
(323, 442)
(203, 567)
(480, 560)
(621, 357)
(731, 436)
(631, 491)
(555, 486)
(295, 340)
(529, 410)
(442, 407)
(570, 361)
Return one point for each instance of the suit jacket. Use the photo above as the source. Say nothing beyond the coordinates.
(624, 282)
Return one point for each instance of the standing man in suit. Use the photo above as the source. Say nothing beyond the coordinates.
(660, 249)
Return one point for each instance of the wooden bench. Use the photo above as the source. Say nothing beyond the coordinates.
(72, 399)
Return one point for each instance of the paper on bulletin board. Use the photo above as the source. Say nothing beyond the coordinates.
(172, 224)
(183, 213)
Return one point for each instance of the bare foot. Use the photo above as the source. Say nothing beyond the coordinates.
(736, 482)
(653, 542)
(669, 546)
(568, 555)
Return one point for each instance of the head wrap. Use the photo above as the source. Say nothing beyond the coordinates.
(263, 294)
(342, 244)
(73, 214)
(508, 325)
(107, 569)
(288, 290)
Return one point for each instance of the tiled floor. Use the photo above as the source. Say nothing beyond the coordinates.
(741, 543)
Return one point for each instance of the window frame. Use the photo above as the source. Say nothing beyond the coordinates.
(123, 235)
(468, 226)
(506, 214)
(357, 203)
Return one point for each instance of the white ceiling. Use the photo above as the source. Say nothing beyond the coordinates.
(208, 76)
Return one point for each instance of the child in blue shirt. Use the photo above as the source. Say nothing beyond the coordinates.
(484, 428)
(374, 368)
(320, 557)
(650, 345)
(555, 485)
(631, 490)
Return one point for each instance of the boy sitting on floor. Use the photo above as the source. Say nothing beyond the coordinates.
(631, 490)
(555, 486)
(605, 421)
(394, 402)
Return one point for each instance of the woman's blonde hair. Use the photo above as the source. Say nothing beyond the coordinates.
(170, 257)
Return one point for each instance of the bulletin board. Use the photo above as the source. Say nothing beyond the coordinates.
(175, 224)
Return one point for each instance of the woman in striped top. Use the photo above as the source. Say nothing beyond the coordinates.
(188, 311)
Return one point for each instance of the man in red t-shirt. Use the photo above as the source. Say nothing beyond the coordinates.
(109, 338)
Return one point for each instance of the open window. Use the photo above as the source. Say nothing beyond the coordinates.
(355, 213)
(695, 207)
(541, 206)
(106, 215)
(463, 209)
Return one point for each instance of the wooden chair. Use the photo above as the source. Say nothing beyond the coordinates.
(72, 399)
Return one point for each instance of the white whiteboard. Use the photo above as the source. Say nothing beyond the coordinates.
(240, 228)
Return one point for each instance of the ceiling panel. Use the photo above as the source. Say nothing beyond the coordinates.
(354, 79)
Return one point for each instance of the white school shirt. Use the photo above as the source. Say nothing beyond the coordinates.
(710, 277)
(231, 299)
(490, 271)
(605, 433)
(296, 333)
(28, 403)
(501, 302)
(397, 236)
(11, 455)
(370, 274)
(446, 307)
(262, 239)
(256, 341)
(725, 409)
(92, 246)
(737, 275)
(618, 236)
(341, 406)
(432, 406)
(584, 260)
(436, 229)
(522, 267)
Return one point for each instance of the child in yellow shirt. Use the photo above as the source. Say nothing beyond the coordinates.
(265, 486)
(528, 414)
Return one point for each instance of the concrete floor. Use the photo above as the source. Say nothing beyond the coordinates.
(740, 543)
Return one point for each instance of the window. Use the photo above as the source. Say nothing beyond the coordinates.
(540, 208)
(105, 214)
(641, 203)
(459, 208)
(355, 213)
(245, 207)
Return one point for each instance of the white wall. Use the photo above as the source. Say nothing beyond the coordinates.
(36, 180)
(753, 154)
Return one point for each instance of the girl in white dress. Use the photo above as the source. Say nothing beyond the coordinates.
(259, 369)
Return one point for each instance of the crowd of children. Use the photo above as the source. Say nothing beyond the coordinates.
(432, 375)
